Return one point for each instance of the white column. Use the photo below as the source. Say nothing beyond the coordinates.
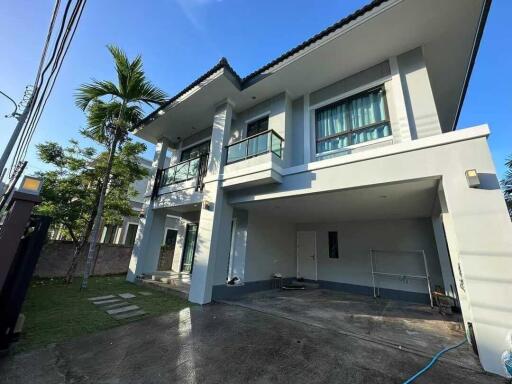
(402, 130)
(307, 130)
(444, 256)
(479, 234)
(146, 248)
(213, 233)
(180, 243)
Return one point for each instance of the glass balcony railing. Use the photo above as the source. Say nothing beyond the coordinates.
(259, 144)
(194, 168)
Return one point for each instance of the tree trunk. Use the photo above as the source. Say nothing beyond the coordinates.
(99, 212)
(79, 245)
(74, 262)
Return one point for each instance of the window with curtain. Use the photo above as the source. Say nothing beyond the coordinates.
(355, 120)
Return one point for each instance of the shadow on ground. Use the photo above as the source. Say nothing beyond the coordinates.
(221, 343)
(403, 324)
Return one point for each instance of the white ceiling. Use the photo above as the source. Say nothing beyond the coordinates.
(391, 201)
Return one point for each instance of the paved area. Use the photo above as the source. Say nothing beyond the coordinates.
(221, 343)
(412, 326)
(168, 281)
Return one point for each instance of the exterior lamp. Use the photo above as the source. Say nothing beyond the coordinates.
(472, 178)
(31, 185)
(161, 112)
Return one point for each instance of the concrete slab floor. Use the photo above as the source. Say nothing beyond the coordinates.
(402, 324)
(220, 343)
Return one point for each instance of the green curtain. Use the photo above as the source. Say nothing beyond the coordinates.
(351, 115)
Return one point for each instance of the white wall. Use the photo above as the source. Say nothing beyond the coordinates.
(356, 238)
(419, 99)
(271, 248)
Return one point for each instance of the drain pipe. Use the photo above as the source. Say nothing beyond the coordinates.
(432, 362)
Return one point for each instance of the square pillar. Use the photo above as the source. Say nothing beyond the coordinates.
(150, 232)
(213, 232)
(479, 235)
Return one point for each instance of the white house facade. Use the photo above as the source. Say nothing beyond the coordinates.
(339, 163)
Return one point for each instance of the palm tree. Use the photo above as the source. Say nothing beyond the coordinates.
(506, 185)
(112, 111)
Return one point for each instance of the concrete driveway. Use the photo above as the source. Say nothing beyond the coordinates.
(415, 327)
(221, 343)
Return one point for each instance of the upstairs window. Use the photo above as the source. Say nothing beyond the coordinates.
(257, 126)
(358, 119)
(195, 151)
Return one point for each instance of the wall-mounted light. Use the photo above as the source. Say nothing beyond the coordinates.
(31, 185)
(472, 178)
(208, 205)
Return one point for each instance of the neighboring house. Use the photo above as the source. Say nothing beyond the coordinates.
(125, 232)
(339, 162)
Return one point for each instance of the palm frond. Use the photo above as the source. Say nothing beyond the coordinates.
(87, 93)
(122, 66)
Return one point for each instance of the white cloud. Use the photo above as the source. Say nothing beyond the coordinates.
(193, 10)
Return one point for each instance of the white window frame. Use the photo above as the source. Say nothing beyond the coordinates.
(383, 81)
(165, 233)
(126, 230)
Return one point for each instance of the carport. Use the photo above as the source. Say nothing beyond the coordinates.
(329, 240)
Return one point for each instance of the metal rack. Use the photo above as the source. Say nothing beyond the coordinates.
(426, 276)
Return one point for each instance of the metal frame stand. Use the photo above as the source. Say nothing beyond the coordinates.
(426, 277)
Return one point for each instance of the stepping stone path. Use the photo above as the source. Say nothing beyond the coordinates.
(109, 301)
(117, 308)
(116, 305)
(127, 315)
(126, 295)
(144, 293)
(99, 298)
(115, 311)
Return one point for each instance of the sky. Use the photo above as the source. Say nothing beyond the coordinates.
(179, 40)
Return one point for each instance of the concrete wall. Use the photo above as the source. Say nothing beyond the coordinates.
(356, 238)
(419, 99)
(271, 248)
(56, 258)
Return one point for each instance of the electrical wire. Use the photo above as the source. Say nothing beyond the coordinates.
(57, 71)
(43, 87)
(37, 101)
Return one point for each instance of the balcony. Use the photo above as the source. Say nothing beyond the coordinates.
(253, 161)
(259, 144)
(182, 184)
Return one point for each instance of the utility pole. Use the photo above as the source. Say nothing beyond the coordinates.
(15, 134)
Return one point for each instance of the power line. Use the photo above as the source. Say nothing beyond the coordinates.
(57, 67)
(43, 87)
(38, 84)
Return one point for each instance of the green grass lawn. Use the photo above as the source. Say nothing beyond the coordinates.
(55, 311)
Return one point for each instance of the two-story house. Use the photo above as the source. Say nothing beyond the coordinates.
(338, 162)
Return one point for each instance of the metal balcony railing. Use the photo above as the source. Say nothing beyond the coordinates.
(259, 144)
(194, 168)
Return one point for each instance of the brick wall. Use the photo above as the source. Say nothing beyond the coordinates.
(56, 257)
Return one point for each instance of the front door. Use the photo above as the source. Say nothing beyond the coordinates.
(189, 248)
(306, 255)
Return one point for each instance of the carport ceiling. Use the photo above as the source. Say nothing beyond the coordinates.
(391, 201)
